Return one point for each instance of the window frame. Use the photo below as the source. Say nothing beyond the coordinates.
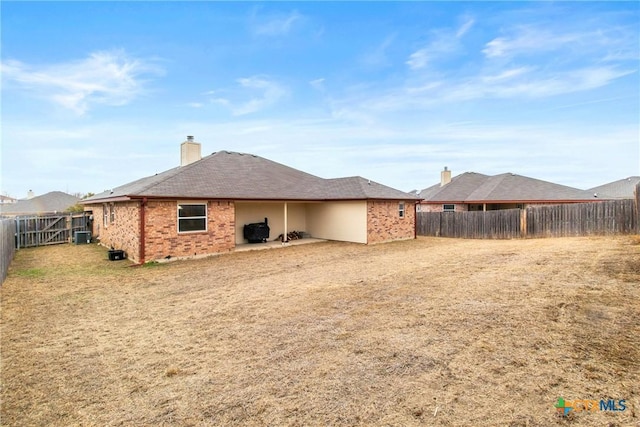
(205, 216)
(105, 215)
(448, 207)
(112, 213)
(401, 210)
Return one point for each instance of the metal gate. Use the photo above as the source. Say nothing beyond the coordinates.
(50, 230)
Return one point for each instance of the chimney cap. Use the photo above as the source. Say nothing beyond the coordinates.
(190, 138)
(445, 168)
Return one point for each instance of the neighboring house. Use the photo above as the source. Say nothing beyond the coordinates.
(6, 200)
(473, 191)
(201, 207)
(47, 204)
(621, 189)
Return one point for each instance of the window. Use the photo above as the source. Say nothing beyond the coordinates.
(448, 208)
(401, 209)
(112, 213)
(192, 217)
(105, 215)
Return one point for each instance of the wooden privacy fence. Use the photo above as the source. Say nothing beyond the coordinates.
(502, 224)
(582, 219)
(49, 230)
(7, 245)
(578, 219)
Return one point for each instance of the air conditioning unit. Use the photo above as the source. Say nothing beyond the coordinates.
(82, 237)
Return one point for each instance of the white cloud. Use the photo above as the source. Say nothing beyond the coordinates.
(444, 43)
(558, 83)
(418, 59)
(378, 57)
(518, 83)
(275, 25)
(465, 27)
(612, 44)
(530, 40)
(105, 77)
(317, 84)
(261, 91)
(506, 74)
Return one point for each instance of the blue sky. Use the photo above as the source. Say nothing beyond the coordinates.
(95, 94)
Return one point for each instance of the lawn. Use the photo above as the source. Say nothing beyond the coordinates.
(433, 332)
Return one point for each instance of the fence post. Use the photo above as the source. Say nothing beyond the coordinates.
(69, 224)
(523, 222)
(637, 206)
(17, 220)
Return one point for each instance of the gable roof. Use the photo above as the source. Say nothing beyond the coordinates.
(53, 202)
(471, 187)
(241, 176)
(460, 187)
(620, 189)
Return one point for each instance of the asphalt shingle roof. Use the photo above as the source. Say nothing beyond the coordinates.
(460, 187)
(241, 176)
(471, 187)
(55, 201)
(620, 189)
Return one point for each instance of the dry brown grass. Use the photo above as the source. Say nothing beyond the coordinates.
(435, 332)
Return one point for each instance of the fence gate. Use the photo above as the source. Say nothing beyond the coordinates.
(49, 230)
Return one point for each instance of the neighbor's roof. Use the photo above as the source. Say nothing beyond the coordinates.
(7, 199)
(459, 188)
(471, 187)
(241, 176)
(621, 189)
(53, 202)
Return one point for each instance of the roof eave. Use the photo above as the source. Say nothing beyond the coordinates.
(469, 202)
(242, 199)
(107, 200)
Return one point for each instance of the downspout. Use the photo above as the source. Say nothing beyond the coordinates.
(143, 239)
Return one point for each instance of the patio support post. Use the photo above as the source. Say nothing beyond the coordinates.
(285, 239)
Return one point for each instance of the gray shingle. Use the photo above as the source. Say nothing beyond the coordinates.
(473, 187)
(459, 189)
(241, 176)
(620, 189)
(55, 201)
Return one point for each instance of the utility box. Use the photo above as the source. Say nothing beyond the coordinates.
(82, 237)
(116, 255)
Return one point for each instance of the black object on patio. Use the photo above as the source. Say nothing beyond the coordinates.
(257, 232)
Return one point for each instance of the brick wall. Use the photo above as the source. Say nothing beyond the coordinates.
(384, 223)
(163, 239)
(121, 232)
(437, 207)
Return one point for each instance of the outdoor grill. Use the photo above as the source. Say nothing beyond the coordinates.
(257, 232)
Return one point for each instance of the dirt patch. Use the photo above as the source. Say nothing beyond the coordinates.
(438, 332)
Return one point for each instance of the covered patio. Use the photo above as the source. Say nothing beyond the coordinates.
(243, 247)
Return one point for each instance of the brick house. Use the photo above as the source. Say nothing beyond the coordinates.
(200, 208)
(473, 191)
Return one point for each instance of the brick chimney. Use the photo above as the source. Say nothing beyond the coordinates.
(445, 177)
(189, 151)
